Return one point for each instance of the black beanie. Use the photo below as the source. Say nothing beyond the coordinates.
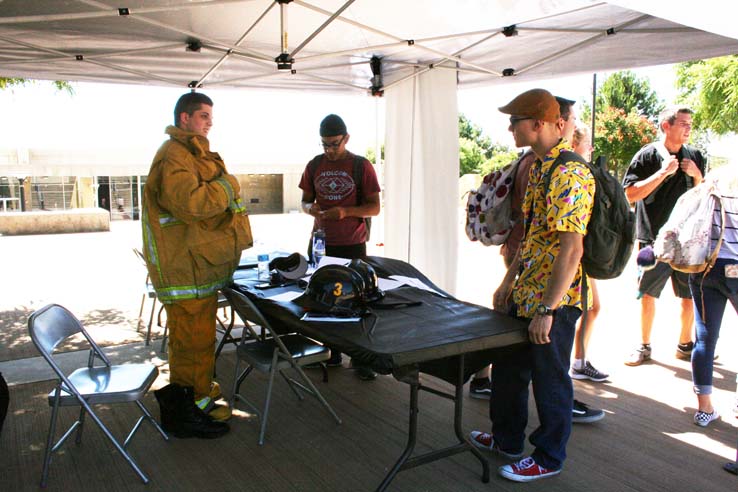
(332, 125)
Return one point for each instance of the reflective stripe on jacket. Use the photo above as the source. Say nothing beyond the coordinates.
(194, 224)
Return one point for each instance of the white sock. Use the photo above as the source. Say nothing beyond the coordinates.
(578, 364)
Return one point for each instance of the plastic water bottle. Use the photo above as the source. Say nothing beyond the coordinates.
(262, 263)
(318, 246)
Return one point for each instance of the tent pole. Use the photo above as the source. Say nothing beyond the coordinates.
(594, 107)
(582, 44)
(412, 43)
(238, 43)
(323, 26)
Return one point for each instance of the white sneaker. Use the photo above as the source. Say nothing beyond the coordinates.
(703, 418)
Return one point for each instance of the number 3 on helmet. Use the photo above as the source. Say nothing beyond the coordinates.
(334, 289)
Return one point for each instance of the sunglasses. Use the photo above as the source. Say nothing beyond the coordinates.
(515, 119)
(334, 145)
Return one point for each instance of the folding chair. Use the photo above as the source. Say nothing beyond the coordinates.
(151, 294)
(88, 386)
(270, 353)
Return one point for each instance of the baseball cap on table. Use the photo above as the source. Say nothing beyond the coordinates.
(535, 103)
(290, 267)
(332, 125)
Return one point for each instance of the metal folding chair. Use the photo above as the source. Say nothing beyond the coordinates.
(88, 386)
(271, 353)
(150, 293)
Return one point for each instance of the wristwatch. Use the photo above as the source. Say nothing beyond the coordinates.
(544, 310)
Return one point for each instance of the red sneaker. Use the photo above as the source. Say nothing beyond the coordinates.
(526, 470)
(486, 441)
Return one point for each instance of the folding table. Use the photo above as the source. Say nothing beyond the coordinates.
(442, 337)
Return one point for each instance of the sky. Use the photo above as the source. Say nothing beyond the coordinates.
(258, 126)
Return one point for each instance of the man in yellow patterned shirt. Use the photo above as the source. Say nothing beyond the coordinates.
(546, 291)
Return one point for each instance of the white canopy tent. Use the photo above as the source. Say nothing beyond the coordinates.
(416, 51)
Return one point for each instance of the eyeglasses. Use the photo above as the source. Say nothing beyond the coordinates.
(332, 145)
(515, 119)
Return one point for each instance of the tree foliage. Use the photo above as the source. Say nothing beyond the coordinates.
(477, 153)
(371, 156)
(619, 135)
(10, 82)
(710, 88)
(630, 93)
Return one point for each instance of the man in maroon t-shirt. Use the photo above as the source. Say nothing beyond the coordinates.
(329, 193)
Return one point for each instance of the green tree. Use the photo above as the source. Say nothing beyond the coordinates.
(371, 156)
(10, 82)
(619, 135)
(499, 160)
(477, 153)
(471, 157)
(474, 133)
(710, 88)
(629, 92)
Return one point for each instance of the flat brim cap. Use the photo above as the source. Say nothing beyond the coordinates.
(563, 100)
(535, 103)
(290, 267)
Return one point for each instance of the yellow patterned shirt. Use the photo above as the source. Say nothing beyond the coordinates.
(566, 207)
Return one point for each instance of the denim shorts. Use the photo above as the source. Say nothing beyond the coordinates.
(652, 281)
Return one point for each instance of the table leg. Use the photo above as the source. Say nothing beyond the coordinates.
(411, 438)
(405, 462)
(458, 415)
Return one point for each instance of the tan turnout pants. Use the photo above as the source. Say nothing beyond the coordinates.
(191, 325)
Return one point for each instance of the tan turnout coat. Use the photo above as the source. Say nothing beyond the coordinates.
(194, 225)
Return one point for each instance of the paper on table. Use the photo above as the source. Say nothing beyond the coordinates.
(325, 318)
(414, 282)
(333, 260)
(387, 284)
(285, 296)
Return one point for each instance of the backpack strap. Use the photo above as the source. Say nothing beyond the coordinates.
(564, 156)
(358, 176)
(313, 166)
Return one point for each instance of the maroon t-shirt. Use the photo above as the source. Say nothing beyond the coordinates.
(333, 185)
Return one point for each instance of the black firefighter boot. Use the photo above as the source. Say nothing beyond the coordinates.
(181, 417)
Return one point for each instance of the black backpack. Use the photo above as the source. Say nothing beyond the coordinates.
(611, 231)
(358, 176)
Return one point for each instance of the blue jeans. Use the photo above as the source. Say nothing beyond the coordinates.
(548, 367)
(710, 296)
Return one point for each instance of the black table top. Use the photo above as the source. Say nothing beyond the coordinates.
(441, 327)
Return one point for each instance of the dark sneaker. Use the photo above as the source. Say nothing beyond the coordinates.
(588, 372)
(582, 414)
(703, 418)
(365, 373)
(526, 470)
(335, 360)
(486, 441)
(684, 351)
(480, 388)
(639, 356)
